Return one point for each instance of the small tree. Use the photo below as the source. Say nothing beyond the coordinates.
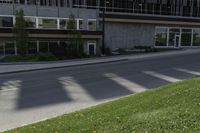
(21, 35)
(75, 48)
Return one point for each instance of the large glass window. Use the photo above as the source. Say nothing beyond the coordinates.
(80, 24)
(92, 25)
(47, 23)
(161, 36)
(63, 23)
(186, 37)
(32, 47)
(72, 24)
(53, 47)
(6, 21)
(9, 48)
(196, 37)
(30, 22)
(44, 47)
(174, 35)
(1, 48)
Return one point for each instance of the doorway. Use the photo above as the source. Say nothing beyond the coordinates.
(91, 48)
(177, 41)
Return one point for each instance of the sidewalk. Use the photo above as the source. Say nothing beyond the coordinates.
(6, 68)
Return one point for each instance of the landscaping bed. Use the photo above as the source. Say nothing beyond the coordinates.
(55, 57)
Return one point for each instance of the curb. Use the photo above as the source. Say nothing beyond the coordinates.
(122, 58)
(64, 66)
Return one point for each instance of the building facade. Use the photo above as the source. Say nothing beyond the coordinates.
(128, 23)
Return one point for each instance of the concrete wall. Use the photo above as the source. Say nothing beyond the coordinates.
(127, 35)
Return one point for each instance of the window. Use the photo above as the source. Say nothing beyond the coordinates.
(30, 22)
(6, 21)
(186, 37)
(173, 34)
(91, 3)
(91, 48)
(92, 25)
(44, 47)
(1, 48)
(72, 24)
(9, 48)
(45, 23)
(196, 37)
(6, 1)
(32, 47)
(54, 47)
(63, 23)
(161, 36)
(80, 24)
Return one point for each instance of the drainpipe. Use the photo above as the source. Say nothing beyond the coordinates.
(103, 29)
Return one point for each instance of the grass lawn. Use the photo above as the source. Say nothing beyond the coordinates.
(170, 109)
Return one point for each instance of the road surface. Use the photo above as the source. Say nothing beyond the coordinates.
(33, 96)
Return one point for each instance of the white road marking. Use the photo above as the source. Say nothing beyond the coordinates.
(9, 93)
(188, 71)
(75, 90)
(162, 76)
(134, 87)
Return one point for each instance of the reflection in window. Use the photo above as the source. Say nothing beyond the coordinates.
(47, 23)
(32, 47)
(44, 47)
(186, 37)
(30, 22)
(172, 34)
(1, 48)
(196, 37)
(9, 48)
(53, 47)
(92, 25)
(6, 21)
(161, 36)
(63, 23)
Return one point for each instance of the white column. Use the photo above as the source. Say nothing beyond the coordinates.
(180, 37)
(58, 23)
(15, 48)
(37, 22)
(4, 48)
(14, 20)
(167, 36)
(192, 37)
(38, 46)
(77, 24)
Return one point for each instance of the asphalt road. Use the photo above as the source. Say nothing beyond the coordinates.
(33, 96)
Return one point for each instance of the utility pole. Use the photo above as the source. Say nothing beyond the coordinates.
(103, 36)
(103, 27)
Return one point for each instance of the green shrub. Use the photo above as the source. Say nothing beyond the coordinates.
(13, 58)
(38, 57)
(46, 57)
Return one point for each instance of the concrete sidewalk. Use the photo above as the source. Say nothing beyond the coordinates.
(6, 68)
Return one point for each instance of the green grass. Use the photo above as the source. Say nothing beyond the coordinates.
(170, 109)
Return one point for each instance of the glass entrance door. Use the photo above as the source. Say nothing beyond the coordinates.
(176, 41)
(174, 37)
(91, 48)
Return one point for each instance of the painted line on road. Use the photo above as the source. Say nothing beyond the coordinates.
(10, 85)
(9, 92)
(162, 76)
(188, 71)
(130, 85)
(75, 90)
